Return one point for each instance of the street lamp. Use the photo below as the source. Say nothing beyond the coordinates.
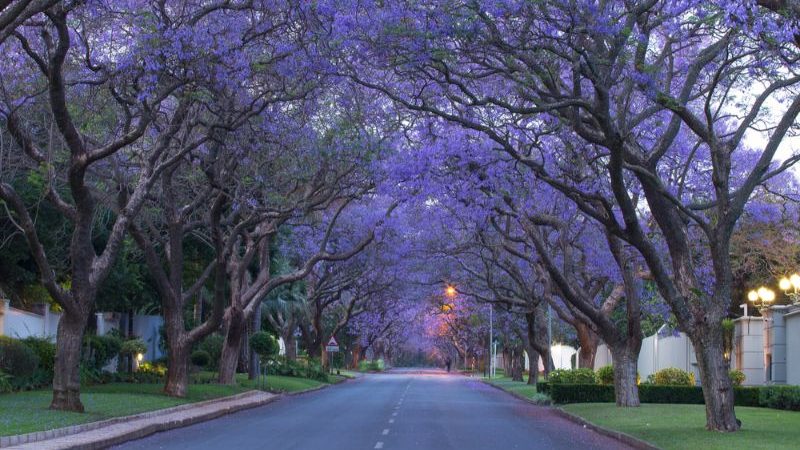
(450, 291)
(791, 287)
(761, 297)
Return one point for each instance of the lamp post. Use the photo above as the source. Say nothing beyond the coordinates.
(791, 287)
(761, 298)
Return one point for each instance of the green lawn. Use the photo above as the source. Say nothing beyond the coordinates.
(683, 426)
(25, 412)
(521, 388)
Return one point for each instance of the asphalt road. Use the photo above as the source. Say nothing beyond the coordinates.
(398, 410)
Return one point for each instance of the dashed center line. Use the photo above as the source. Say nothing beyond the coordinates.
(379, 444)
(394, 414)
(391, 420)
(385, 431)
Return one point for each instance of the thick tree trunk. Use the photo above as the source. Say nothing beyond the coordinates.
(625, 358)
(588, 340)
(533, 365)
(291, 345)
(177, 367)
(717, 386)
(66, 376)
(228, 361)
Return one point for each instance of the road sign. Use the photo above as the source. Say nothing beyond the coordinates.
(332, 346)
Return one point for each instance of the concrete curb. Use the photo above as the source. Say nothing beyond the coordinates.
(234, 403)
(80, 437)
(618, 435)
(36, 436)
(514, 394)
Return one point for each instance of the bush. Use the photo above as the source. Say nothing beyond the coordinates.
(746, 396)
(655, 393)
(17, 359)
(213, 346)
(133, 347)
(581, 393)
(374, 365)
(297, 368)
(737, 377)
(543, 387)
(780, 397)
(5, 383)
(673, 376)
(605, 375)
(99, 350)
(45, 350)
(648, 393)
(264, 345)
(200, 358)
(573, 376)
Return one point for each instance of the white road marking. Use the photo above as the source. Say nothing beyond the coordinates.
(385, 431)
(391, 420)
(394, 414)
(379, 444)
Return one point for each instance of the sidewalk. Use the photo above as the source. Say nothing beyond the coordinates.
(115, 431)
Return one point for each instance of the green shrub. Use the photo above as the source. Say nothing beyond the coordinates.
(780, 397)
(605, 375)
(264, 344)
(655, 393)
(543, 387)
(133, 347)
(200, 358)
(737, 377)
(99, 350)
(297, 368)
(746, 396)
(213, 346)
(374, 365)
(648, 393)
(673, 376)
(45, 350)
(5, 383)
(581, 393)
(572, 376)
(17, 359)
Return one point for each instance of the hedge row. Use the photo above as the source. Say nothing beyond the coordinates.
(648, 393)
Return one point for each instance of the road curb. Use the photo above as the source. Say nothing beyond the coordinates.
(50, 439)
(37, 436)
(614, 434)
(618, 435)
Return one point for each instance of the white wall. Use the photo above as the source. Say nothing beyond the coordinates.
(20, 324)
(748, 349)
(792, 322)
(658, 352)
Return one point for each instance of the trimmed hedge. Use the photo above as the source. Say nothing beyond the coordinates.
(543, 387)
(648, 393)
(17, 359)
(780, 397)
(572, 376)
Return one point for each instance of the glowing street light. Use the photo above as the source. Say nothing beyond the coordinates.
(761, 297)
(450, 291)
(791, 287)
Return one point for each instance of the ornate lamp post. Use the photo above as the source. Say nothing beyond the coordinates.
(791, 287)
(761, 298)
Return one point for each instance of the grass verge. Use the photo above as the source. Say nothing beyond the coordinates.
(520, 388)
(26, 412)
(683, 426)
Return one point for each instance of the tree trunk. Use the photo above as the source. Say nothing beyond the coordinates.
(625, 358)
(291, 346)
(254, 359)
(66, 374)
(177, 367)
(234, 331)
(588, 340)
(717, 386)
(533, 365)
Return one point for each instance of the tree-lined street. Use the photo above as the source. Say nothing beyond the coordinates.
(403, 409)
